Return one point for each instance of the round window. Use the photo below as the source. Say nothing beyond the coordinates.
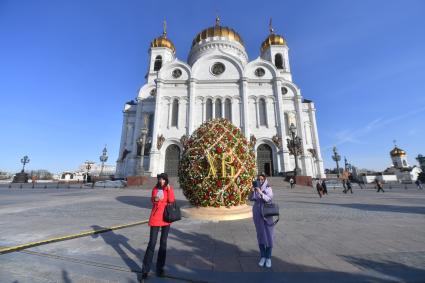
(177, 73)
(259, 72)
(218, 69)
(153, 92)
(284, 90)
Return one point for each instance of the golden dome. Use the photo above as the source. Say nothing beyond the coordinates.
(163, 41)
(218, 31)
(397, 152)
(272, 39)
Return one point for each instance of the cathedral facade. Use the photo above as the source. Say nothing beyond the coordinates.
(218, 81)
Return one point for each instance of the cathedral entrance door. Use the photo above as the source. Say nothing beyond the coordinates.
(172, 159)
(265, 160)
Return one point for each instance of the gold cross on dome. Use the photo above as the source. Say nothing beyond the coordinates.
(271, 29)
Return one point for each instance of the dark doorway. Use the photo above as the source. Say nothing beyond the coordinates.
(265, 160)
(172, 159)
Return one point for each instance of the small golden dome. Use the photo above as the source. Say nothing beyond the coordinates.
(397, 152)
(163, 41)
(218, 31)
(272, 39)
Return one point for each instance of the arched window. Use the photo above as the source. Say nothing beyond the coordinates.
(218, 113)
(228, 109)
(404, 163)
(209, 109)
(175, 113)
(262, 112)
(158, 63)
(278, 61)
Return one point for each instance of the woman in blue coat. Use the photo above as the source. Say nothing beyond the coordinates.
(262, 193)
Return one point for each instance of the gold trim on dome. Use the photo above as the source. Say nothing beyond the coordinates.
(397, 152)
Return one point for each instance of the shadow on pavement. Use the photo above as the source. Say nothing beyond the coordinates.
(375, 207)
(394, 269)
(118, 243)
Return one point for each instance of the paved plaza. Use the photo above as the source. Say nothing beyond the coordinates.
(360, 237)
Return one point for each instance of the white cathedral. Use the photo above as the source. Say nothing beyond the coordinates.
(218, 80)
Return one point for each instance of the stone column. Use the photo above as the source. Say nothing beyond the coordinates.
(191, 110)
(319, 162)
(245, 114)
(301, 132)
(120, 168)
(154, 154)
(281, 129)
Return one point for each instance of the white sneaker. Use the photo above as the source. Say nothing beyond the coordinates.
(268, 263)
(262, 261)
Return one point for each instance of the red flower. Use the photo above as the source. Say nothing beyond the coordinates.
(219, 183)
(218, 149)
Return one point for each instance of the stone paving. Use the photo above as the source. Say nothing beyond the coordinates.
(360, 237)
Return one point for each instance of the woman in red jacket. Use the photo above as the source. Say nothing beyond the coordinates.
(162, 194)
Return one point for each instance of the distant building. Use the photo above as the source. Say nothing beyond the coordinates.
(401, 168)
(80, 173)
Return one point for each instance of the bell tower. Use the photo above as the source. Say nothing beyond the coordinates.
(161, 51)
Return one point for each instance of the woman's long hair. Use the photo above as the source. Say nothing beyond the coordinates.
(162, 176)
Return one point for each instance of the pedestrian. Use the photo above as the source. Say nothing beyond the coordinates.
(319, 188)
(324, 186)
(292, 182)
(349, 186)
(162, 194)
(379, 186)
(260, 194)
(419, 184)
(345, 186)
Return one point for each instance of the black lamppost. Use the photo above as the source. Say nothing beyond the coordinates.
(103, 158)
(24, 160)
(336, 157)
(295, 147)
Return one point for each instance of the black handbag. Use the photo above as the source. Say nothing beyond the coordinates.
(270, 209)
(172, 212)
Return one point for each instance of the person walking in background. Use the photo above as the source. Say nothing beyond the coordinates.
(418, 184)
(292, 182)
(319, 188)
(349, 186)
(262, 193)
(162, 194)
(344, 185)
(325, 187)
(379, 186)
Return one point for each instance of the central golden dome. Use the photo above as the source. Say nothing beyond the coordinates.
(217, 31)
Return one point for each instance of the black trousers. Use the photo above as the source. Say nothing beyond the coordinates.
(162, 253)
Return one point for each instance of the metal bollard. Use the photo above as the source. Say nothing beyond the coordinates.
(405, 186)
(20, 186)
(10, 186)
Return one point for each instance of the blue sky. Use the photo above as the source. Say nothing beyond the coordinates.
(67, 68)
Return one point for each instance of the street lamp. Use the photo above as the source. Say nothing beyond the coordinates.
(295, 147)
(24, 160)
(336, 157)
(103, 158)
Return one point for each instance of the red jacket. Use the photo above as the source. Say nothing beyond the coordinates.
(157, 213)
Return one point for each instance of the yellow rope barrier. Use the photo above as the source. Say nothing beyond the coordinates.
(68, 237)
